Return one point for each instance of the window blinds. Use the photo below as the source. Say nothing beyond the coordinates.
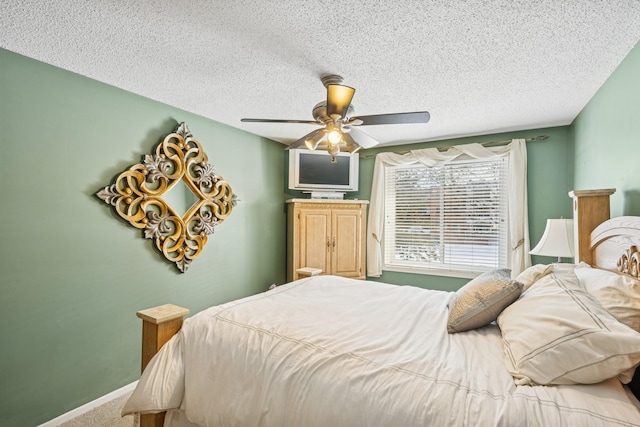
(451, 217)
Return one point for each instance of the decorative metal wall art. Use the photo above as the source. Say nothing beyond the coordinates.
(139, 195)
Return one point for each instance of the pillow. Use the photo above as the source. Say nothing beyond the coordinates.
(618, 294)
(479, 302)
(533, 273)
(557, 333)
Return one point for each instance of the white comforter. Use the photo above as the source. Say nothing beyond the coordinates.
(329, 352)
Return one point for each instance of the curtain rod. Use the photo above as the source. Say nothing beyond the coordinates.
(484, 144)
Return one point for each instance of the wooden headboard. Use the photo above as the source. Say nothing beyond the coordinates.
(602, 242)
(615, 243)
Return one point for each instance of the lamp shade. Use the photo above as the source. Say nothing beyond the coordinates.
(557, 239)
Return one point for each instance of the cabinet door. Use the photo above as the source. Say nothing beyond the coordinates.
(315, 230)
(346, 242)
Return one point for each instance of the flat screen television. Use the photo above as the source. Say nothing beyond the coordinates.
(312, 171)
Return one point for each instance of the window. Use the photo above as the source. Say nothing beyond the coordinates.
(448, 218)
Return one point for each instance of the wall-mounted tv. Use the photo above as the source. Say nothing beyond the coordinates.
(313, 171)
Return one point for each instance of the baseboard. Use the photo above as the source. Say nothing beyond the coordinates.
(89, 406)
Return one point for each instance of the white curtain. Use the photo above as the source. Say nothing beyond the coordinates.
(518, 216)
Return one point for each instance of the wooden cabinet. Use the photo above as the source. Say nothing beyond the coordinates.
(329, 235)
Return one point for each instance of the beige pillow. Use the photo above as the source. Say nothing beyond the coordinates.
(479, 302)
(618, 294)
(533, 273)
(557, 333)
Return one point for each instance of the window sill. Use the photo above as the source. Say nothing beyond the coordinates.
(432, 271)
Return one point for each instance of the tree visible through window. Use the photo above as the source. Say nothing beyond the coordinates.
(451, 217)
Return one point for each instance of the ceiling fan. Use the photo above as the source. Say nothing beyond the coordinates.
(339, 128)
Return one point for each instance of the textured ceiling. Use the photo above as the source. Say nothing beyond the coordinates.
(478, 66)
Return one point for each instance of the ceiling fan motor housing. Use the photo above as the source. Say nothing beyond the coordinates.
(320, 112)
(331, 79)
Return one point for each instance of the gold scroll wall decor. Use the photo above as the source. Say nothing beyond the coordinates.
(139, 196)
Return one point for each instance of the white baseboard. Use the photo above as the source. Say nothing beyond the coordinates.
(89, 406)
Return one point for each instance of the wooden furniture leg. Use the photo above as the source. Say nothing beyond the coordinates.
(159, 324)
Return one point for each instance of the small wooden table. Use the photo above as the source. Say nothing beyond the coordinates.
(308, 271)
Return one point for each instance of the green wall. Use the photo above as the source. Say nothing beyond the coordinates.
(607, 138)
(549, 176)
(72, 274)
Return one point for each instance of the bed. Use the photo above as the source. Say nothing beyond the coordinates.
(553, 347)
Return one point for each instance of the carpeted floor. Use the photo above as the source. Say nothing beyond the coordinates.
(107, 415)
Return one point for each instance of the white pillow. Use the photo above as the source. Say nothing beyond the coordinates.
(556, 333)
(618, 294)
(533, 273)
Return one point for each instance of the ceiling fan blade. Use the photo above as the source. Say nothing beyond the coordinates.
(338, 99)
(392, 119)
(309, 122)
(311, 136)
(362, 139)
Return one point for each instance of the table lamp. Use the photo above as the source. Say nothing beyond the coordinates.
(557, 239)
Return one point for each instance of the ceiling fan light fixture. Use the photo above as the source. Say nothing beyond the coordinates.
(351, 145)
(333, 150)
(314, 140)
(334, 137)
(311, 145)
(338, 99)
